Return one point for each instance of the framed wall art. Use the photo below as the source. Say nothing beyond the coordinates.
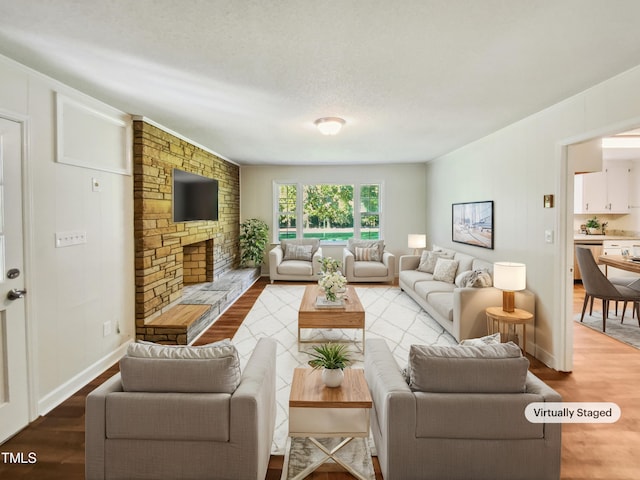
(472, 223)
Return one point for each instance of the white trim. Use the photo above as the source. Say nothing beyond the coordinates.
(563, 331)
(67, 389)
(142, 118)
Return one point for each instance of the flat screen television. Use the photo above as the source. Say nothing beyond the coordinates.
(194, 197)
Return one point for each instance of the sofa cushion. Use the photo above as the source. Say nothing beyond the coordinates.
(443, 304)
(492, 339)
(352, 243)
(298, 252)
(369, 269)
(445, 270)
(213, 368)
(429, 258)
(428, 287)
(497, 368)
(411, 277)
(295, 267)
(465, 262)
(367, 254)
(314, 242)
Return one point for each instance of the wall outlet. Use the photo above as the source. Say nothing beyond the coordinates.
(106, 329)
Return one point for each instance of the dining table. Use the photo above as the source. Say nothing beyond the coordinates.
(619, 261)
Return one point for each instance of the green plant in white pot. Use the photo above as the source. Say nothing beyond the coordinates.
(593, 226)
(333, 358)
(254, 236)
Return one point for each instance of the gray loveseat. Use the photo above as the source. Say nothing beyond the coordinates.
(460, 310)
(188, 417)
(462, 418)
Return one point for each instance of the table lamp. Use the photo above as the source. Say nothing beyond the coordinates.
(509, 277)
(417, 241)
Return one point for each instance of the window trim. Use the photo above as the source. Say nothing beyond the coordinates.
(357, 217)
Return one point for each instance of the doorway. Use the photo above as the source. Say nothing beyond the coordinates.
(14, 384)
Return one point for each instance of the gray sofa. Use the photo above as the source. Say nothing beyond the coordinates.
(189, 417)
(291, 261)
(460, 310)
(461, 418)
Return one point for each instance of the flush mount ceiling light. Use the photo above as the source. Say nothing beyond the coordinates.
(329, 125)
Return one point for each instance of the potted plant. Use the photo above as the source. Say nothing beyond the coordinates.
(593, 226)
(332, 358)
(254, 236)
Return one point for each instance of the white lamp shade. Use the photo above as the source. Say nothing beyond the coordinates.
(417, 240)
(509, 276)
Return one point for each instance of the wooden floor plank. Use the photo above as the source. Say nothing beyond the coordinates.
(604, 370)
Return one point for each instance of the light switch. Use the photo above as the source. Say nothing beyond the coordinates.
(548, 236)
(67, 239)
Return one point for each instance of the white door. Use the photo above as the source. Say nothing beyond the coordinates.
(14, 395)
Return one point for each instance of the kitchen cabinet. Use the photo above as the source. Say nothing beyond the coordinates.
(603, 192)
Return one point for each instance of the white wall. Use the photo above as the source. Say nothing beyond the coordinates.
(515, 167)
(72, 290)
(403, 201)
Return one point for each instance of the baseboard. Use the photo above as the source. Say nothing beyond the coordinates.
(545, 357)
(64, 391)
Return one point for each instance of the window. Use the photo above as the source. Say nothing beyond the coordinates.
(327, 211)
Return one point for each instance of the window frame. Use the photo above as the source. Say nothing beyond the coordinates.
(357, 217)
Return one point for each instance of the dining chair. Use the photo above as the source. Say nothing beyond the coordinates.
(597, 285)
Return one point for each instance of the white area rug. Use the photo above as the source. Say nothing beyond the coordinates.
(389, 314)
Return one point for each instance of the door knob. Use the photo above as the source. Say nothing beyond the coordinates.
(15, 294)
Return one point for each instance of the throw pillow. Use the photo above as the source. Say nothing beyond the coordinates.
(429, 258)
(367, 254)
(479, 342)
(474, 278)
(298, 252)
(149, 367)
(445, 270)
(352, 243)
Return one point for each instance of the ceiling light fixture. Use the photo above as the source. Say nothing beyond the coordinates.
(329, 125)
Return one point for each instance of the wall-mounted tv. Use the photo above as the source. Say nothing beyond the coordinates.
(194, 197)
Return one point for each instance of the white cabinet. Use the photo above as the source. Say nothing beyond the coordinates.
(603, 192)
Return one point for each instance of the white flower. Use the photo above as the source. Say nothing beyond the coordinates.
(332, 283)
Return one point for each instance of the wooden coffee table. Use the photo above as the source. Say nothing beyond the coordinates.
(317, 411)
(351, 315)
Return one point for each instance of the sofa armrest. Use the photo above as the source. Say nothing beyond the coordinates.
(552, 431)
(409, 262)
(389, 260)
(95, 427)
(315, 267)
(253, 405)
(394, 403)
(348, 259)
(275, 258)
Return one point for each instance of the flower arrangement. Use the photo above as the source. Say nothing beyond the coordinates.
(329, 265)
(332, 283)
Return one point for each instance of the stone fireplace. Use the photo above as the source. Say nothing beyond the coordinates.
(170, 255)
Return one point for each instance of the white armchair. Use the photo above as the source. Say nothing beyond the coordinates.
(367, 261)
(295, 260)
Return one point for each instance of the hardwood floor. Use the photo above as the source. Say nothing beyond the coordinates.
(605, 370)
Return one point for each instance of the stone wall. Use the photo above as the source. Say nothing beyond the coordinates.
(158, 241)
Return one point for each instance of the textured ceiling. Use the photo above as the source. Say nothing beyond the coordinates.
(414, 79)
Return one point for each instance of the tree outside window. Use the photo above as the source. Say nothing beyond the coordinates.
(327, 211)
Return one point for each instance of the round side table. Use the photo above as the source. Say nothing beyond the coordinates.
(499, 321)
